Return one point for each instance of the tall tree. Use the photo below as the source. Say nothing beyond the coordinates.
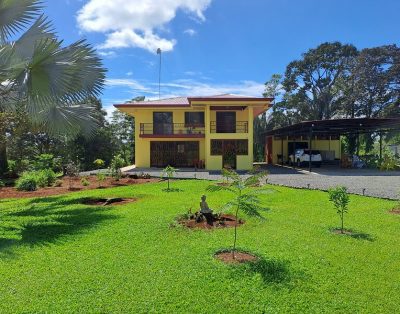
(48, 79)
(311, 84)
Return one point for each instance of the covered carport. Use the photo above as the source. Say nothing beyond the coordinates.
(329, 130)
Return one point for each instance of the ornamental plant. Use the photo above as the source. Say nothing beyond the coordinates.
(99, 163)
(340, 199)
(100, 178)
(245, 196)
(169, 173)
(115, 166)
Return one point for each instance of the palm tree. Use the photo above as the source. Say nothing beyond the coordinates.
(245, 196)
(49, 80)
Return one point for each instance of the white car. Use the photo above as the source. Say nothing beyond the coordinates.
(302, 158)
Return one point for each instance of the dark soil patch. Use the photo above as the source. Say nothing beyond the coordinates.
(11, 192)
(238, 258)
(345, 232)
(395, 211)
(219, 221)
(108, 201)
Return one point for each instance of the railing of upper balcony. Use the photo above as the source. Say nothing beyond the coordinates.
(238, 127)
(172, 129)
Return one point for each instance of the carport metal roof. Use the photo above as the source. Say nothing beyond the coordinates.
(339, 127)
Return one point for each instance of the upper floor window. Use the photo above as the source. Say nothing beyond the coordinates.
(194, 119)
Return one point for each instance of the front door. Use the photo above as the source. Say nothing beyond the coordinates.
(226, 122)
(229, 154)
(162, 123)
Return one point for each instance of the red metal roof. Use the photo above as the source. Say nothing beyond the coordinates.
(185, 101)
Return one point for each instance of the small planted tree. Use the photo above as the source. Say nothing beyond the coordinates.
(169, 173)
(72, 171)
(115, 166)
(340, 199)
(101, 177)
(245, 197)
(99, 163)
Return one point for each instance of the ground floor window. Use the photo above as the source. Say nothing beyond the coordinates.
(238, 147)
(174, 153)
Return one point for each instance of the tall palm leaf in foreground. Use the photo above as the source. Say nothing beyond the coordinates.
(246, 196)
(52, 81)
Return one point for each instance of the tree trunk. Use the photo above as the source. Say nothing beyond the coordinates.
(3, 154)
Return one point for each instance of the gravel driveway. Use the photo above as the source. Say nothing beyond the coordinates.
(358, 181)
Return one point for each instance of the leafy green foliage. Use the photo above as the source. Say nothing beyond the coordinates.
(389, 162)
(27, 182)
(340, 199)
(245, 196)
(101, 177)
(31, 180)
(99, 163)
(85, 181)
(46, 161)
(169, 173)
(2, 184)
(116, 164)
(45, 177)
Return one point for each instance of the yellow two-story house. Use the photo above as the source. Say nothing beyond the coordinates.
(203, 132)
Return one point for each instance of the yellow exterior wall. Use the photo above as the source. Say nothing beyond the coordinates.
(145, 115)
(322, 145)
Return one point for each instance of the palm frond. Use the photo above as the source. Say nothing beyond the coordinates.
(69, 75)
(252, 209)
(67, 120)
(255, 179)
(40, 30)
(15, 15)
(218, 188)
(260, 191)
(228, 206)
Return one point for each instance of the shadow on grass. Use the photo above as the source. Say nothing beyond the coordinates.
(271, 271)
(172, 190)
(36, 226)
(353, 234)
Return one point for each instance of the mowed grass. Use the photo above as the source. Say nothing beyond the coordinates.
(57, 255)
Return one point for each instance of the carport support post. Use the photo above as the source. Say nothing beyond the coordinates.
(310, 148)
(282, 150)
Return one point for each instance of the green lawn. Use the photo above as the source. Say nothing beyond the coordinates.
(59, 256)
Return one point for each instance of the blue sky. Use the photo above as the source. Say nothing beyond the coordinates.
(214, 46)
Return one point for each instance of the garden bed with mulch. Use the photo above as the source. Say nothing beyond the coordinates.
(240, 257)
(73, 186)
(395, 211)
(107, 201)
(218, 221)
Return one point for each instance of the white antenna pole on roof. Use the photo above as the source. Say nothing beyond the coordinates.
(159, 74)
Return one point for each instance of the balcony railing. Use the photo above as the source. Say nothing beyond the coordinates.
(238, 127)
(171, 130)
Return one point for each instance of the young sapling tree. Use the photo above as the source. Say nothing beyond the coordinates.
(245, 197)
(169, 173)
(340, 199)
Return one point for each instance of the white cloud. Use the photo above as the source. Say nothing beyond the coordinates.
(190, 32)
(134, 23)
(130, 73)
(107, 54)
(186, 87)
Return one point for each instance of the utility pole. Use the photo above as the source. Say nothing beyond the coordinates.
(159, 74)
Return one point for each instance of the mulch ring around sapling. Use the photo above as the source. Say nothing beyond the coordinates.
(395, 211)
(239, 257)
(107, 201)
(199, 221)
